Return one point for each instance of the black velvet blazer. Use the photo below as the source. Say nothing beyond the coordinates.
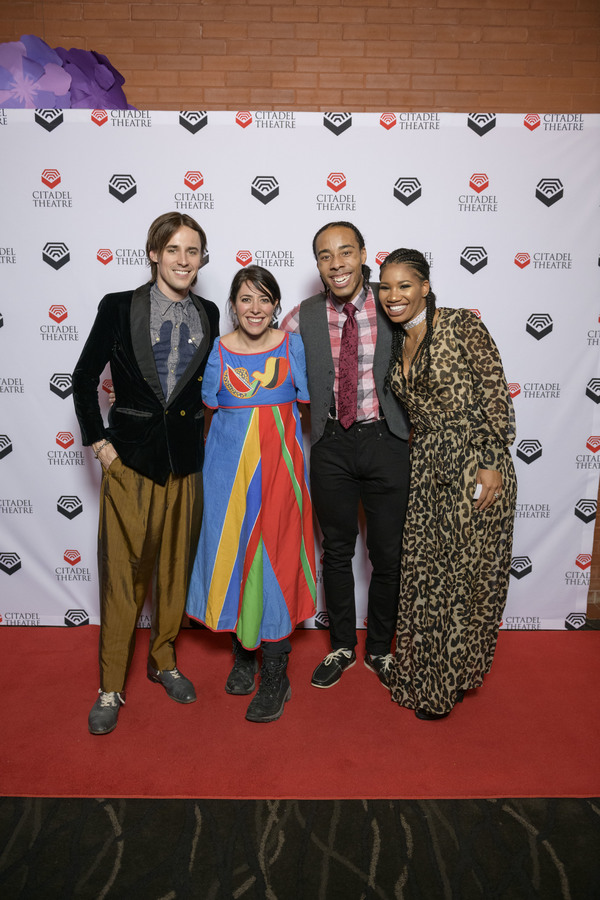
(150, 435)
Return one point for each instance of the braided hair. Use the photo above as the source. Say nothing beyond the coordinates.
(417, 262)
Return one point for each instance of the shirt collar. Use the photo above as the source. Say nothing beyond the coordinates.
(164, 303)
(358, 301)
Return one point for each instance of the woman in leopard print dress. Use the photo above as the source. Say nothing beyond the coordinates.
(447, 372)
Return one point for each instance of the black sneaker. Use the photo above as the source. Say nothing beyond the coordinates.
(381, 665)
(330, 670)
(273, 693)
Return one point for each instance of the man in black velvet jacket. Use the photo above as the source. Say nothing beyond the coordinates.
(157, 340)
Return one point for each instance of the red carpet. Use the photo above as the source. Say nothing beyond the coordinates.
(531, 731)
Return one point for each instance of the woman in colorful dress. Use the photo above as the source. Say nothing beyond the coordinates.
(254, 573)
(447, 372)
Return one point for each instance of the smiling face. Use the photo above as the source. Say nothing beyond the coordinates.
(340, 261)
(178, 263)
(402, 293)
(254, 309)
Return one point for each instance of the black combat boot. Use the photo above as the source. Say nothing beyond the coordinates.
(274, 690)
(245, 667)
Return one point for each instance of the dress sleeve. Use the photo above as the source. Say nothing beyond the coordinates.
(298, 364)
(211, 381)
(492, 414)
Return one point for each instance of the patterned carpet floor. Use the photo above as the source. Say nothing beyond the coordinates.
(299, 850)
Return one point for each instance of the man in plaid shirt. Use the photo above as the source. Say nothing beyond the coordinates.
(362, 462)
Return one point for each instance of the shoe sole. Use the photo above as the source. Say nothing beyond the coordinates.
(107, 731)
(382, 683)
(337, 680)
(277, 715)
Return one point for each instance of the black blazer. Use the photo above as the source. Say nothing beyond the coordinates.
(152, 436)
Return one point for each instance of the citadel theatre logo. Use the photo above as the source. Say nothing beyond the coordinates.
(575, 621)
(9, 385)
(407, 189)
(69, 506)
(20, 618)
(542, 259)
(193, 120)
(274, 119)
(522, 623)
(3, 117)
(388, 121)
(49, 119)
(104, 256)
(593, 390)
(529, 451)
(541, 390)
(193, 198)
(75, 617)
(322, 620)
(61, 384)
(584, 561)
(268, 258)
(20, 506)
(65, 456)
(336, 202)
(379, 258)
(99, 117)
(481, 123)
(473, 259)
(243, 257)
(58, 312)
(532, 121)
(417, 121)
(476, 312)
(65, 439)
(589, 460)
(5, 445)
(243, 118)
(580, 575)
(563, 121)
(7, 256)
(10, 563)
(539, 325)
(549, 191)
(478, 202)
(123, 187)
(72, 571)
(514, 389)
(58, 331)
(532, 511)
(265, 188)
(337, 123)
(56, 254)
(51, 178)
(585, 510)
(520, 566)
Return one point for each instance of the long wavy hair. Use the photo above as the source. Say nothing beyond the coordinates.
(417, 262)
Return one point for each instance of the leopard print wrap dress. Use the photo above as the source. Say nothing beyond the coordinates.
(456, 560)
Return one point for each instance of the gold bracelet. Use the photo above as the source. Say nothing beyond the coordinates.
(104, 444)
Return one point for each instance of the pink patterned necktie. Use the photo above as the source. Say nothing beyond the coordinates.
(348, 369)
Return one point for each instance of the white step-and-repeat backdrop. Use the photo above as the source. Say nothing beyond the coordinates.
(506, 207)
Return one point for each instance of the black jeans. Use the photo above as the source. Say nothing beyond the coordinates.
(364, 464)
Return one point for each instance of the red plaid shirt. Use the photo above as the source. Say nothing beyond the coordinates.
(366, 319)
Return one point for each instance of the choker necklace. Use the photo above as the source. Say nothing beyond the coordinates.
(416, 321)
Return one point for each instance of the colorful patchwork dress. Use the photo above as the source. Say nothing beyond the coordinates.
(254, 572)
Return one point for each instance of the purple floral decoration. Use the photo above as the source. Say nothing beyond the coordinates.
(34, 76)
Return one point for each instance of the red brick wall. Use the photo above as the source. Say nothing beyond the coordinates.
(510, 56)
